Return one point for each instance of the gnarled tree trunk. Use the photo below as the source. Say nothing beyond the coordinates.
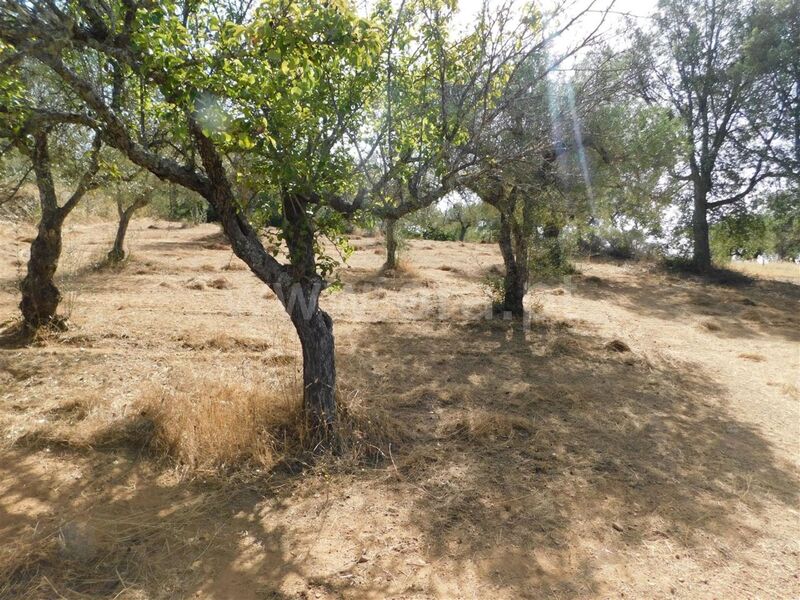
(515, 281)
(40, 296)
(315, 331)
(313, 325)
(117, 252)
(391, 244)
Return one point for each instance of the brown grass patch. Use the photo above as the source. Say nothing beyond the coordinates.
(211, 425)
(235, 265)
(216, 246)
(403, 269)
(563, 345)
(220, 283)
(196, 284)
(486, 426)
(711, 326)
(751, 314)
(221, 341)
(753, 357)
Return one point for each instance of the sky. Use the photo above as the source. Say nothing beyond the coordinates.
(619, 11)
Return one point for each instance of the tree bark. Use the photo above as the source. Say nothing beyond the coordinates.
(40, 296)
(319, 367)
(515, 282)
(117, 252)
(701, 257)
(391, 244)
(313, 325)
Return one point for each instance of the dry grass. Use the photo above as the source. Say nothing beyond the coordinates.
(214, 426)
(711, 326)
(403, 269)
(781, 270)
(211, 427)
(221, 341)
(752, 314)
(234, 264)
(220, 283)
(196, 284)
(488, 427)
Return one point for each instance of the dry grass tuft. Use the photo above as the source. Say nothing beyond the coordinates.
(751, 314)
(485, 426)
(753, 357)
(220, 283)
(235, 264)
(562, 345)
(215, 426)
(221, 341)
(403, 269)
(711, 326)
(196, 284)
(216, 246)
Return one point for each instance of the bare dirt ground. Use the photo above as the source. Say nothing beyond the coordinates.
(534, 463)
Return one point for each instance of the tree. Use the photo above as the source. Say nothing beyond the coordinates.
(142, 192)
(281, 88)
(40, 296)
(34, 133)
(442, 92)
(696, 60)
(465, 214)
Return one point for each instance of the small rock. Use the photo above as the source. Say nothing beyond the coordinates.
(617, 346)
(617, 526)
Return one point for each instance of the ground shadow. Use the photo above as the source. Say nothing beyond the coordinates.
(99, 520)
(528, 445)
(759, 308)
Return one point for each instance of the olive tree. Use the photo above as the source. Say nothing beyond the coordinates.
(34, 134)
(697, 60)
(282, 86)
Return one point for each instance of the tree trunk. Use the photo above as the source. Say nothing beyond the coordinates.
(319, 368)
(391, 244)
(702, 249)
(117, 252)
(314, 327)
(515, 280)
(462, 232)
(40, 296)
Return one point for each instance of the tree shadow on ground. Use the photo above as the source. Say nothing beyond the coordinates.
(532, 451)
(100, 522)
(759, 308)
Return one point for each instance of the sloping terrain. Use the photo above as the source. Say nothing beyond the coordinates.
(542, 461)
